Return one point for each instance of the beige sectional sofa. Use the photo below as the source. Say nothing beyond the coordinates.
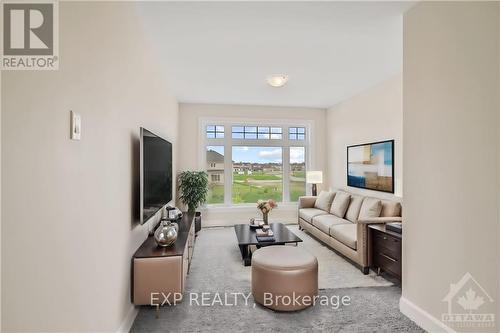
(340, 219)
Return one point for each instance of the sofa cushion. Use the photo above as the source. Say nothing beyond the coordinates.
(352, 213)
(308, 213)
(345, 233)
(371, 207)
(390, 208)
(324, 222)
(340, 204)
(324, 200)
(306, 201)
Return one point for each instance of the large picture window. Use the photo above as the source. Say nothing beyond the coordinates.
(256, 161)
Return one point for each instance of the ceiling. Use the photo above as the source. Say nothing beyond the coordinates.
(222, 52)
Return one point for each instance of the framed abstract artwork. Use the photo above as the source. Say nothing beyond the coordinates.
(371, 166)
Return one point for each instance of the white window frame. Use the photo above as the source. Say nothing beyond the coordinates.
(228, 142)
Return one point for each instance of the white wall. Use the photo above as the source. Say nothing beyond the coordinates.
(68, 226)
(189, 115)
(372, 115)
(0, 201)
(498, 134)
(451, 147)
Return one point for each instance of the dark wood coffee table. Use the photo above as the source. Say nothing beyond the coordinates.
(246, 237)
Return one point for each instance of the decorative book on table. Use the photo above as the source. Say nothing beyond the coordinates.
(395, 227)
(264, 236)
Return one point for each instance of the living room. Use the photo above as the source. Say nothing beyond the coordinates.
(284, 102)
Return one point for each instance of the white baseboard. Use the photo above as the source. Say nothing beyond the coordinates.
(128, 320)
(421, 317)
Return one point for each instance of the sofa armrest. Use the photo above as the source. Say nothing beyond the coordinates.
(307, 202)
(388, 219)
(362, 243)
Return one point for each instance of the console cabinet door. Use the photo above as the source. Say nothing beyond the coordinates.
(157, 277)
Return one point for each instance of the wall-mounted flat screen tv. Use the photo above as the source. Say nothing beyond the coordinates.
(156, 174)
(371, 166)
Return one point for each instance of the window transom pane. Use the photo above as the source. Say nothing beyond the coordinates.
(257, 132)
(215, 132)
(297, 133)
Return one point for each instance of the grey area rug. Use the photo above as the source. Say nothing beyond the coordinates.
(217, 269)
(217, 264)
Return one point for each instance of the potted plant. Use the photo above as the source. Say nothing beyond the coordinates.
(193, 189)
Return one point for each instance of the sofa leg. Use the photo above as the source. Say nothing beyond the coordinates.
(365, 270)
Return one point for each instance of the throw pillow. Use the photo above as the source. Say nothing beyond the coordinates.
(371, 207)
(391, 208)
(354, 207)
(340, 204)
(324, 200)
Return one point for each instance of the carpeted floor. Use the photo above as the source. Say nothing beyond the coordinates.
(217, 268)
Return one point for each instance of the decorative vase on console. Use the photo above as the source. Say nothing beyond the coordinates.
(166, 234)
(265, 207)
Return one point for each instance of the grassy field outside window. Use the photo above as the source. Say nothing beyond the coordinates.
(257, 174)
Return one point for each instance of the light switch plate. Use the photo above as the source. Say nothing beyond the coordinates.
(76, 126)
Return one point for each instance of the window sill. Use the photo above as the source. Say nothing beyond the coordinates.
(222, 207)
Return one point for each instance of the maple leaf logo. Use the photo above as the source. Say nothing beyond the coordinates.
(470, 301)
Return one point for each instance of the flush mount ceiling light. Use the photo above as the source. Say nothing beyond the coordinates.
(278, 80)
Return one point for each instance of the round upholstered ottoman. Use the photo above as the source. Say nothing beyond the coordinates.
(284, 278)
